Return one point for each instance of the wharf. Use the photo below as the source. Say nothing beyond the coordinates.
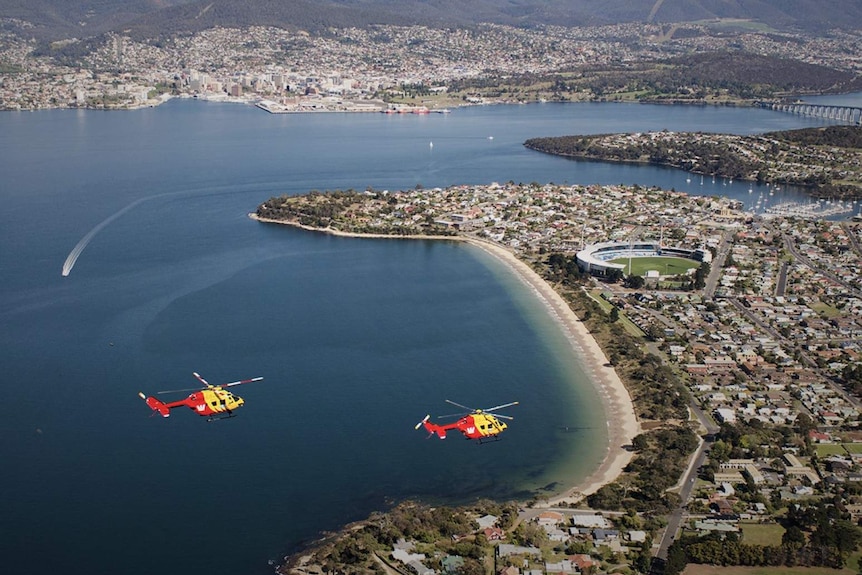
(814, 210)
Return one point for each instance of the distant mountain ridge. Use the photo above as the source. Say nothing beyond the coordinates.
(55, 19)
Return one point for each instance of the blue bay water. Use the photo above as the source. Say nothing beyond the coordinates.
(357, 339)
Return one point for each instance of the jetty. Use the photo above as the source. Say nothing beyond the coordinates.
(812, 211)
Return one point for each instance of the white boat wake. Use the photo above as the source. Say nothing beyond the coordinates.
(79, 247)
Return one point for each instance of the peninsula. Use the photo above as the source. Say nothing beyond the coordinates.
(717, 352)
(826, 160)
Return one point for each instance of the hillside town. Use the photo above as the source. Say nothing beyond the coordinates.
(363, 69)
(770, 347)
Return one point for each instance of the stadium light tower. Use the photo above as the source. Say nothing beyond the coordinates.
(630, 255)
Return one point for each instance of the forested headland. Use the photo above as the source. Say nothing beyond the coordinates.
(826, 160)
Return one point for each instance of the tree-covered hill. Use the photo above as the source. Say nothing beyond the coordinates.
(150, 18)
(717, 69)
(837, 136)
(828, 161)
(56, 19)
(694, 77)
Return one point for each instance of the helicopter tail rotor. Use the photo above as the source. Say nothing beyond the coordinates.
(156, 404)
(432, 428)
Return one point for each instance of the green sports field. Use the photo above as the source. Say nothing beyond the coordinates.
(663, 265)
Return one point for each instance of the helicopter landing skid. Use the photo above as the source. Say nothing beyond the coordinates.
(485, 440)
(228, 416)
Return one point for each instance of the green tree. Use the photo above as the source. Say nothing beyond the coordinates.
(634, 282)
(643, 558)
(471, 567)
(529, 534)
(676, 559)
(614, 275)
(700, 275)
(607, 497)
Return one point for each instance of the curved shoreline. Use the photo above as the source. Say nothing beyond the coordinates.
(622, 422)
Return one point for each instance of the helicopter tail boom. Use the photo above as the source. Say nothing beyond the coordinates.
(156, 405)
(432, 428)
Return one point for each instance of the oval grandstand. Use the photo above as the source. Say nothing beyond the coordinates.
(596, 258)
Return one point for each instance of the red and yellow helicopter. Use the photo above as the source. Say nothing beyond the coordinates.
(478, 424)
(212, 401)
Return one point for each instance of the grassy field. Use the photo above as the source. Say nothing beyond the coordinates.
(762, 534)
(827, 449)
(663, 265)
(825, 309)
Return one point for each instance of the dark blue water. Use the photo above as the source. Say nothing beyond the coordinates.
(357, 339)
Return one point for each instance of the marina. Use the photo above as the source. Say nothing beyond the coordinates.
(811, 210)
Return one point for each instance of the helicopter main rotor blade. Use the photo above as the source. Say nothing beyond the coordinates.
(501, 406)
(202, 380)
(503, 416)
(179, 390)
(459, 405)
(241, 382)
(208, 384)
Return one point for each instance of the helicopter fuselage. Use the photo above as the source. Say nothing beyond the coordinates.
(474, 426)
(212, 401)
(209, 402)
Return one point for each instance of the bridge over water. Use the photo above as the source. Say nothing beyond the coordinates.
(846, 114)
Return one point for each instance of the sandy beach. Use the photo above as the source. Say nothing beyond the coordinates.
(622, 422)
